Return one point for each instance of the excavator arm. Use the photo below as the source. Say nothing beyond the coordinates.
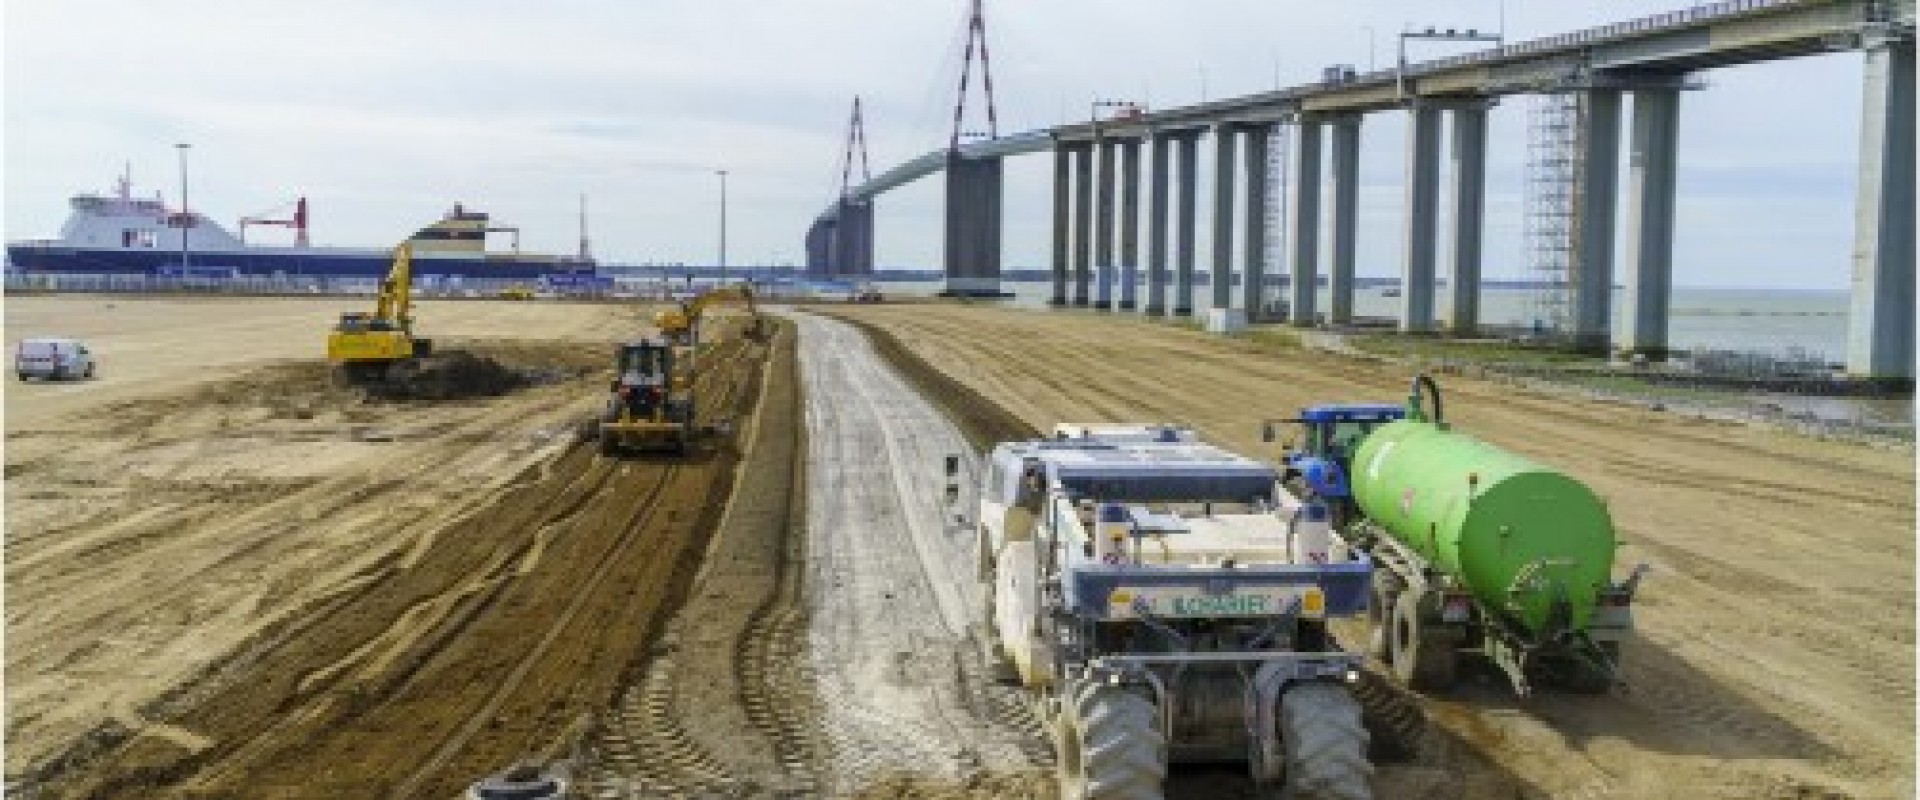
(681, 323)
(396, 291)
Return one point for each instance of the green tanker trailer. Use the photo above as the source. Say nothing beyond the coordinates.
(1478, 552)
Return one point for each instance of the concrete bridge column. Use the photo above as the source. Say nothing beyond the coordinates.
(972, 256)
(1184, 234)
(1253, 272)
(1654, 149)
(1596, 196)
(1082, 221)
(1305, 237)
(1103, 229)
(1346, 209)
(1062, 200)
(1157, 229)
(1129, 222)
(1469, 201)
(1423, 195)
(1880, 335)
(1222, 317)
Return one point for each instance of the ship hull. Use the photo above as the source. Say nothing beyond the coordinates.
(276, 262)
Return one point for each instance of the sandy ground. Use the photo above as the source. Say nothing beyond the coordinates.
(1776, 650)
(226, 578)
(233, 576)
(824, 649)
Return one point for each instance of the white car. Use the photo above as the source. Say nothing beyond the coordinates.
(53, 359)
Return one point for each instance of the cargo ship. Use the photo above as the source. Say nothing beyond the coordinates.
(121, 234)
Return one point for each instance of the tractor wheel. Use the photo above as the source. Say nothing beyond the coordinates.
(609, 445)
(1423, 656)
(1110, 745)
(1000, 667)
(1380, 618)
(1325, 744)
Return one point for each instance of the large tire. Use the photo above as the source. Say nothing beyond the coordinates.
(1325, 744)
(1380, 617)
(1000, 666)
(1424, 658)
(1110, 745)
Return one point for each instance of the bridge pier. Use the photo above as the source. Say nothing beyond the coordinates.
(1062, 201)
(1596, 196)
(1103, 229)
(1129, 222)
(1305, 236)
(1655, 143)
(1469, 200)
(972, 226)
(1222, 317)
(840, 244)
(1346, 204)
(1423, 190)
(1082, 221)
(1880, 325)
(1189, 152)
(1157, 228)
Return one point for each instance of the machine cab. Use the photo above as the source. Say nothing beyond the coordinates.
(1332, 435)
(645, 369)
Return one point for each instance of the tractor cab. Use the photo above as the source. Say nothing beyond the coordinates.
(645, 370)
(1332, 434)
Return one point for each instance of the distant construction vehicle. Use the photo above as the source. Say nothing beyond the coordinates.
(865, 293)
(1163, 604)
(1478, 552)
(517, 291)
(681, 325)
(650, 404)
(369, 347)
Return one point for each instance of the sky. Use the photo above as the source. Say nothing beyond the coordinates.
(383, 113)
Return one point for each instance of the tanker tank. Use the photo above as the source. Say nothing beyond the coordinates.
(1520, 536)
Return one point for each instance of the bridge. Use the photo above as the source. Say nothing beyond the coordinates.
(1645, 63)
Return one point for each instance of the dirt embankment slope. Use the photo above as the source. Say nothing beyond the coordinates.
(1776, 650)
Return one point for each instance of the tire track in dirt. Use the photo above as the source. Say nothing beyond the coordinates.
(723, 704)
(410, 717)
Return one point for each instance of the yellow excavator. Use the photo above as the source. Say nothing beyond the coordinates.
(681, 325)
(368, 346)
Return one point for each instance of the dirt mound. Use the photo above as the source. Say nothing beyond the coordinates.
(455, 375)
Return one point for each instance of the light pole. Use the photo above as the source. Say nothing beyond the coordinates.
(186, 216)
(723, 224)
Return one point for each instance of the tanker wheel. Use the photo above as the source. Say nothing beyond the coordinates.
(1423, 656)
(1110, 745)
(1325, 744)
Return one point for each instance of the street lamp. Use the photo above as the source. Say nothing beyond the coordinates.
(186, 216)
(723, 224)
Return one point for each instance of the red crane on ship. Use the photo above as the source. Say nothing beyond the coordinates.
(298, 222)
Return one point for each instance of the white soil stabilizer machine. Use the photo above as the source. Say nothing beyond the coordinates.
(1163, 604)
